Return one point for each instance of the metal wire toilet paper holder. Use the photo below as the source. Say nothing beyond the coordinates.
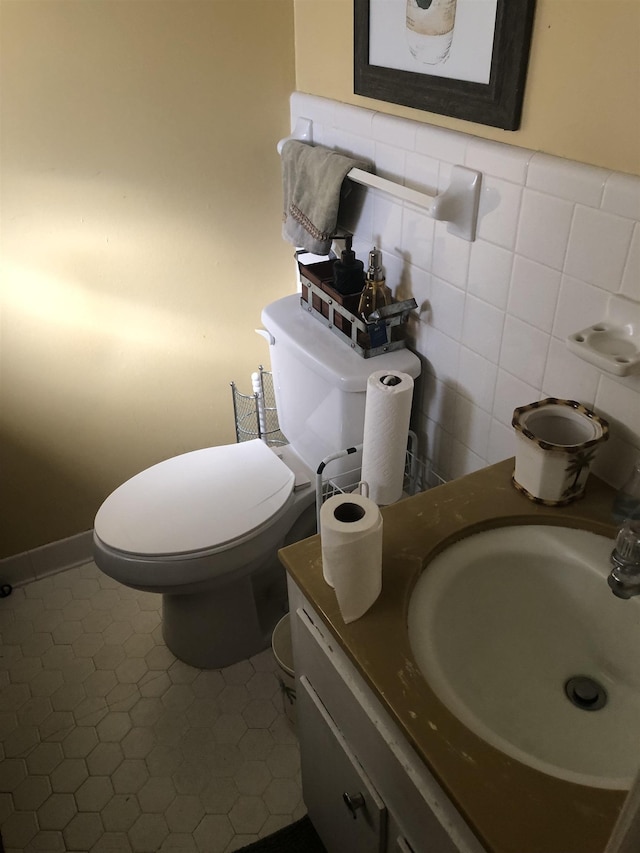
(332, 479)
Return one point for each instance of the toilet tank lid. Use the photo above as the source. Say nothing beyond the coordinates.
(195, 502)
(324, 353)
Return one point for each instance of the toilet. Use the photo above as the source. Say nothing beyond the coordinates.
(203, 529)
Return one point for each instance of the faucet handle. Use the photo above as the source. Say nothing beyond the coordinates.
(627, 547)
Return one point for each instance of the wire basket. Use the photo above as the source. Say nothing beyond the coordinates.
(255, 415)
(332, 478)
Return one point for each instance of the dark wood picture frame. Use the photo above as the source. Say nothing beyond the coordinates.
(497, 103)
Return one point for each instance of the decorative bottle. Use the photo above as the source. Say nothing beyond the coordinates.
(376, 294)
(430, 26)
(626, 503)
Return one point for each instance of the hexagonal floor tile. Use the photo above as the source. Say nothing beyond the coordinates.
(114, 746)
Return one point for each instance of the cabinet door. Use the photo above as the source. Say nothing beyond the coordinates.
(342, 803)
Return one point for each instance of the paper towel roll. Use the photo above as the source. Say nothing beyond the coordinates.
(351, 537)
(386, 424)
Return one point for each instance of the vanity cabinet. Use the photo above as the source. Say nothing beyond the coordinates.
(364, 787)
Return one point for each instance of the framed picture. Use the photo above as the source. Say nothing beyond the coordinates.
(462, 58)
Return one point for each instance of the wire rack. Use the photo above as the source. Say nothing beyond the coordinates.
(333, 479)
(256, 417)
(255, 414)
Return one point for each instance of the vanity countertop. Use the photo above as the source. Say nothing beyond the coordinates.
(511, 807)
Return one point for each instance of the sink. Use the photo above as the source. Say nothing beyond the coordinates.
(518, 635)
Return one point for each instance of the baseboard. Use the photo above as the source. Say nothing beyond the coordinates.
(49, 559)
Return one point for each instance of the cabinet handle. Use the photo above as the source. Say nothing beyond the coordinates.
(353, 802)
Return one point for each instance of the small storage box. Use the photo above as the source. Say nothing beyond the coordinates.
(339, 313)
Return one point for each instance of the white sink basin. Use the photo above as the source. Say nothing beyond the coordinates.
(498, 624)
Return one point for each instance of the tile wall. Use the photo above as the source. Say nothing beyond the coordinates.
(556, 239)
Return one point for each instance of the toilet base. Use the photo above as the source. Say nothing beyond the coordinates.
(235, 621)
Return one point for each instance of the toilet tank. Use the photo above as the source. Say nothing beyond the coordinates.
(320, 382)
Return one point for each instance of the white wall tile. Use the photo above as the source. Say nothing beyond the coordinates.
(421, 172)
(418, 231)
(631, 275)
(393, 268)
(442, 352)
(450, 256)
(524, 351)
(438, 400)
(567, 179)
(499, 211)
(482, 328)
(387, 224)
(447, 308)
(579, 305)
(502, 442)
(438, 449)
(544, 227)
(395, 131)
(415, 282)
(533, 296)
(352, 145)
(472, 426)
(622, 405)
(477, 378)
(389, 162)
(446, 145)
(354, 120)
(319, 110)
(598, 247)
(463, 460)
(490, 273)
(615, 460)
(622, 195)
(511, 393)
(499, 160)
(568, 376)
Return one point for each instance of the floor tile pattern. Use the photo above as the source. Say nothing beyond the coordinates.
(112, 745)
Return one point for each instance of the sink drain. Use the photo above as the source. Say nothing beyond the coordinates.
(585, 693)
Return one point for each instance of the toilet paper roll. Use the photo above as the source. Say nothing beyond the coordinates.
(386, 424)
(351, 537)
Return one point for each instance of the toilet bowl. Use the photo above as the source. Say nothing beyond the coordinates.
(203, 528)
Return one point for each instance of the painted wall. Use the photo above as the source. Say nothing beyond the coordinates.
(140, 238)
(139, 187)
(582, 97)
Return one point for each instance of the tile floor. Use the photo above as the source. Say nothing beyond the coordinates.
(111, 744)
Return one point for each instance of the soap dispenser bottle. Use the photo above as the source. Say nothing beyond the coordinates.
(348, 271)
(376, 294)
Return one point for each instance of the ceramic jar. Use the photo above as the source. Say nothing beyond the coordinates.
(556, 443)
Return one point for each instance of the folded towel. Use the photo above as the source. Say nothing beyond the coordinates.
(312, 179)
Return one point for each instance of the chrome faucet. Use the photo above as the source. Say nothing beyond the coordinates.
(624, 578)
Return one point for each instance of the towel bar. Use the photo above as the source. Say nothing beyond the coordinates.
(457, 205)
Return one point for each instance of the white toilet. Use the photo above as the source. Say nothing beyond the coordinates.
(204, 528)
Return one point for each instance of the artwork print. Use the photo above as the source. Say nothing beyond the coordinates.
(462, 58)
(446, 38)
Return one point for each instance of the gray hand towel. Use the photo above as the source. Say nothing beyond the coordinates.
(312, 179)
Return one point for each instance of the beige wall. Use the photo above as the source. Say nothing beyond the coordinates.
(140, 238)
(582, 98)
(140, 206)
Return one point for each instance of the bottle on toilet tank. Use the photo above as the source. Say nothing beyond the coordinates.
(376, 294)
(348, 271)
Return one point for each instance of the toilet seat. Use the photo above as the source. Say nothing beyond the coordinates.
(203, 501)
